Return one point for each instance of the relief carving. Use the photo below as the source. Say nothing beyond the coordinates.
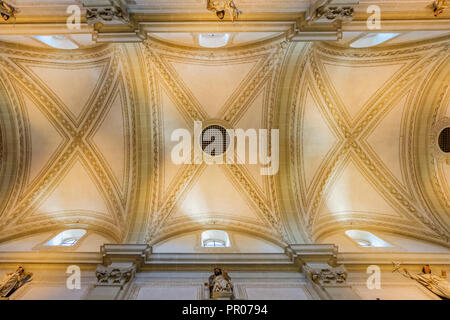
(115, 12)
(332, 10)
(114, 274)
(327, 276)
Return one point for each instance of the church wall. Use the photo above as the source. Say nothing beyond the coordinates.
(261, 285)
(187, 282)
(91, 242)
(25, 243)
(393, 286)
(394, 292)
(399, 244)
(50, 282)
(191, 243)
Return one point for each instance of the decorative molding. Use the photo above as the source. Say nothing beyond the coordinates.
(331, 10)
(114, 275)
(114, 13)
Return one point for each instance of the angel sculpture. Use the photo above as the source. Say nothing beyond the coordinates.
(436, 284)
(7, 11)
(439, 6)
(221, 6)
(13, 281)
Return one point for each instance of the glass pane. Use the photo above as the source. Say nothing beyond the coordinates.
(69, 242)
(213, 243)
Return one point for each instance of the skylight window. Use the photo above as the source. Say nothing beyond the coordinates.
(58, 42)
(372, 40)
(67, 238)
(366, 239)
(213, 40)
(215, 239)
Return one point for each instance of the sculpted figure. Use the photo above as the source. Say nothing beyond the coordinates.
(113, 275)
(436, 284)
(219, 284)
(439, 6)
(13, 281)
(7, 11)
(221, 6)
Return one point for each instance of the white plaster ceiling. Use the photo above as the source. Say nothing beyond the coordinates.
(81, 140)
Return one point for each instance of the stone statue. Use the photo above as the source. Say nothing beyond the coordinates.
(7, 11)
(220, 285)
(439, 6)
(220, 6)
(13, 281)
(436, 284)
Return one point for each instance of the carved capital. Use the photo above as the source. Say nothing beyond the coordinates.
(106, 12)
(326, 276)
(332, 10)
(114, 274)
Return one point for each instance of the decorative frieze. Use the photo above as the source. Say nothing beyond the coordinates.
(332, 10)
(106, 12)
(326, 276)
(114, 275)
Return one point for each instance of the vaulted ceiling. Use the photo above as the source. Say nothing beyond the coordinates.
(355, 159)
(86, 135)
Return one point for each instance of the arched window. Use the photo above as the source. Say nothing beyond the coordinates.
(58, 42)
(215, 239)
(372, 40)
(213, 40)
(366, 239)
(67, 238)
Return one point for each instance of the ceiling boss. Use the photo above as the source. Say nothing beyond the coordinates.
(221, 6)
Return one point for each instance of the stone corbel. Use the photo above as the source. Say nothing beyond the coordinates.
(331, 11)
(330, 283)
(326, 275)
(116, 274)
(318, 262)
(106, 12)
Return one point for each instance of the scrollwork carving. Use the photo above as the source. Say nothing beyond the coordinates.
(114, 275)
(327, 276)
(113, 13)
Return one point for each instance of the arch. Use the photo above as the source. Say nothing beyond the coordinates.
(426, 155)
(366, 238)
(11, 142)
(67, 238)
